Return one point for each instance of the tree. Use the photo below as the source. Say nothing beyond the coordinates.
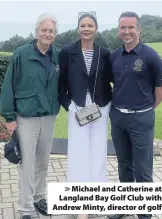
(151, 32)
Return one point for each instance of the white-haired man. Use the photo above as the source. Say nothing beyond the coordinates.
(29, 103)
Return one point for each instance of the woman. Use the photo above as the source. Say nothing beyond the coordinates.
(29, 102)
(87, 145)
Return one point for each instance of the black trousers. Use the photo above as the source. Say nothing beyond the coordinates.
(133, 136)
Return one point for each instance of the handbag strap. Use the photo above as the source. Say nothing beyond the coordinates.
(98, 62)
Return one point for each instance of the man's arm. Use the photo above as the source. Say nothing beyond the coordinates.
(156, 65)
(158, 96)
(63, 80)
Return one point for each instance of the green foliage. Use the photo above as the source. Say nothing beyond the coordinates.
(66, 38)
(72, 36)
(151, 32)
(6, 53)
(157, 47)
(14, 42)
(151, 28)
(111, 38)
(4, 61)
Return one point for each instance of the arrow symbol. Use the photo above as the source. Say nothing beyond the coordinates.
(67, 189)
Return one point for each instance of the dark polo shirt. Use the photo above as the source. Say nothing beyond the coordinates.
(136, 74)
(45, 60)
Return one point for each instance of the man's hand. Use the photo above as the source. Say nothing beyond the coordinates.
(11, 126)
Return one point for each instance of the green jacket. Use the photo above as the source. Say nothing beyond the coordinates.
(24, 91)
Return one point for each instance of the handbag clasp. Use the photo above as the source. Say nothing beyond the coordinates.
(90, 117)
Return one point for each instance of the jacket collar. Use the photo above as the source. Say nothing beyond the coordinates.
(77, 56)
(76, 47)
(33, 53)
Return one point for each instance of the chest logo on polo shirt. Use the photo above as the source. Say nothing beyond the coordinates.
(137, 65)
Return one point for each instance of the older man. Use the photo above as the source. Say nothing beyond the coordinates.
(137, 90)
(29, 101)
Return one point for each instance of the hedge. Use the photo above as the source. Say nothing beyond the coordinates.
(4, 61)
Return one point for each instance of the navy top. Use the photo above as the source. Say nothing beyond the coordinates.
(136, 74)
(45, 60)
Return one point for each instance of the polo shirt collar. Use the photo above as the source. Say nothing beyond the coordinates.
(136, 49)
(36, 48)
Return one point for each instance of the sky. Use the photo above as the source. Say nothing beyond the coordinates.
(19, 17)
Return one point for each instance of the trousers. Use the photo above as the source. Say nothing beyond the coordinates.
(87, 148)
(35, 137)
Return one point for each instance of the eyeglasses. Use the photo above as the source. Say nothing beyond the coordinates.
(92, 13)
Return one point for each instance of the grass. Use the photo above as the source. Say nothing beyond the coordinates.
(157, 47)
(158, 122)
(6, 53)
(62, 124)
